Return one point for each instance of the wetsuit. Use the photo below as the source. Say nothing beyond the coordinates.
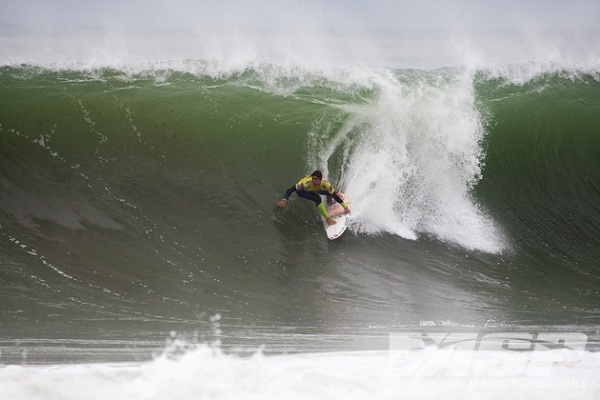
(307, 190)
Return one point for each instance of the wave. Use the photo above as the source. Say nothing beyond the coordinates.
(410, 146)
(148, 193)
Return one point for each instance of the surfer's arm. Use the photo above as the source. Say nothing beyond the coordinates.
(286, 196)
(289, 192)
(337, 198)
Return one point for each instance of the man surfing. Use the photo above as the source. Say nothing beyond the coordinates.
(310, 188)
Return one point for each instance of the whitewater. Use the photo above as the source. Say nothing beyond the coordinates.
(206, 372)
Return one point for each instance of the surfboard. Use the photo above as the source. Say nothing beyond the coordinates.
(335, 211)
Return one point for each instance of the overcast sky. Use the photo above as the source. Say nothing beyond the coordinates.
(358, 14)
(406, 33)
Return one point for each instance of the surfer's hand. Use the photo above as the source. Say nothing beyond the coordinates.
(281, 203)
(330, 221)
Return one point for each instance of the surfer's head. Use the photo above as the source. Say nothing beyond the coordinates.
(317, 177)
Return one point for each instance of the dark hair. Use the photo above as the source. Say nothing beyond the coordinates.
(318, 174)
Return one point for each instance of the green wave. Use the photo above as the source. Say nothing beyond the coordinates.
(152, 193)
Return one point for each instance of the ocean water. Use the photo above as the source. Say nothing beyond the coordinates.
(142, 254)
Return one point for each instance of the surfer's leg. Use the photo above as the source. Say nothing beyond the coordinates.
(312, 196)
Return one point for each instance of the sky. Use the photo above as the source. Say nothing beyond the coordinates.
(399, 14)
(402, 33)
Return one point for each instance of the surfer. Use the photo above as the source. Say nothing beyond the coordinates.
(310, 188)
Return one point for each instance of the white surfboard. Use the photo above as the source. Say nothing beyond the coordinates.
(335, 211)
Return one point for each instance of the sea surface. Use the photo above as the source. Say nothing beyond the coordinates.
(142, 254)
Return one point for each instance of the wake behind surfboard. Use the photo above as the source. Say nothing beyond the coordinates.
(335, 211)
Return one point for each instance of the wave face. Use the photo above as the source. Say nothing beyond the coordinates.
(142, 199)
